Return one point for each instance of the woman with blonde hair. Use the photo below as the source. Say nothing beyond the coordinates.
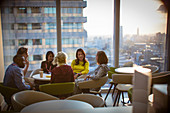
(62, 72)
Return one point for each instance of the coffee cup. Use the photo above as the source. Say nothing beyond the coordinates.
(41, 74)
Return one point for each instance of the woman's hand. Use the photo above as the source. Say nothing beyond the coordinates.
(75, 76)
(87, 77)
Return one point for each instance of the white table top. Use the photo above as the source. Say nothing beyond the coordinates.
(120, 109)
(44, 78)
(54, 105)
(125, 70)
(130, 70)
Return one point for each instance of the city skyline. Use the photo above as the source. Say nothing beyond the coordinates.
(146, 17)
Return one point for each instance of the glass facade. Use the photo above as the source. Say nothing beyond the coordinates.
(84, 24)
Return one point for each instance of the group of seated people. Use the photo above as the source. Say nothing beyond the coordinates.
(58, 67)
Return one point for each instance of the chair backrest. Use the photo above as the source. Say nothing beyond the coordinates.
(35, 72)
(93, 83)
(27, 97)
(94, 100)
(7, 93)
(154, 69)
(57, 89)
(122, 78)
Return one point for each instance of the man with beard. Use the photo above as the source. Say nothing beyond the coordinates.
(14, 75)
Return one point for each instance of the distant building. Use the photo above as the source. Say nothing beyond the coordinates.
(32, 24)
(121, 37)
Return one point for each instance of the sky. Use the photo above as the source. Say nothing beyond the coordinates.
(134, 14)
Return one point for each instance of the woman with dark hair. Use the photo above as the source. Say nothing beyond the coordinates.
(99, 72)
(102, 69)
(47, 66)
(80, 65)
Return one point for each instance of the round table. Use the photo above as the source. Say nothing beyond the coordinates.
(54, 105)
(46, 77)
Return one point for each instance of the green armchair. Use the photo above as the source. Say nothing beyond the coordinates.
(60, 90)
(7, 93)
(112, 71)
(130, 94)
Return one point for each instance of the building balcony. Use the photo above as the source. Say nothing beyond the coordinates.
(40, 18)
(26, 3)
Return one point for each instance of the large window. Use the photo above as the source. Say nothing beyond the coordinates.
(35, 10)
(99, 27)
(49, 10)
(8, 10)
(72, 26)
(21, 10)
(71, 10)
(22, 26)
(51, 41)
(9, 42)
(49, 26)
(37, 41)
(37, 57)
(22, 42)
(36, 26)
(142, 32)
(89, 25)
(72, 41)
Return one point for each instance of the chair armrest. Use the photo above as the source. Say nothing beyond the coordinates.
(162, 79)
(161, 73)
(93, 83)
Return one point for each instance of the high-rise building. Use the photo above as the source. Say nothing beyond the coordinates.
(32, 24)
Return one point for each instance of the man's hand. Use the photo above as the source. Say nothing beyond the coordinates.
(27, 65)
(27, 62)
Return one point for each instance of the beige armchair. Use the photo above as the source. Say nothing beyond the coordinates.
(25, 98)
(94, 100)
(122, 84)
(90, 84)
